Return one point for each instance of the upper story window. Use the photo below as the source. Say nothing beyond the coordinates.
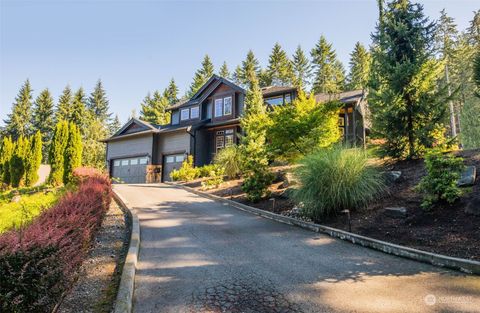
(279, 100)
(194, 112)
(223, 106)
(184, 114)
(175, 117)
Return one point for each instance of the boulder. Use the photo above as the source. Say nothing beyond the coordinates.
(473, 207)
(393, 176)
(16, 198)
(468, 177)
(396, 212)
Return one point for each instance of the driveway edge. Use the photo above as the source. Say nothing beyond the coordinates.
(124, 300)
(463, 265)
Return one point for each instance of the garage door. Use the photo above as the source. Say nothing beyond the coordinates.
(131, 170)
(170, 163)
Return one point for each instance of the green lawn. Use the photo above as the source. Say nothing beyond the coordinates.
(14, 214)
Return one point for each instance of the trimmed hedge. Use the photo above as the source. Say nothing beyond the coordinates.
(59, 237)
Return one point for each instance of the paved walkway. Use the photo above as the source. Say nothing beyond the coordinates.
(198, 255)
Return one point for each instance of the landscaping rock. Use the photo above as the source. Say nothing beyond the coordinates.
(16, 199)
(473, 207)
(468, 177)
(288, 180)
(396, 212)
(393, 176)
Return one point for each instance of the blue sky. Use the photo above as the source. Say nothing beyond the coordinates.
(137, 46)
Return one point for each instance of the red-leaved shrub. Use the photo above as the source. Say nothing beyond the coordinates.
(68, 228)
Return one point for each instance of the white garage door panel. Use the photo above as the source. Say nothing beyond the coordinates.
(131, 170)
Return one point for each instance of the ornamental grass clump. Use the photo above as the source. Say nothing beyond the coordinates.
(332, 180)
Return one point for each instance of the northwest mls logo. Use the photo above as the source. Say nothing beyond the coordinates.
(430, 299)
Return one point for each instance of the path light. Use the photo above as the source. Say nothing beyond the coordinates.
(349, 220)
(273, 204)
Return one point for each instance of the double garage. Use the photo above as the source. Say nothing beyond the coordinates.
(146, 157)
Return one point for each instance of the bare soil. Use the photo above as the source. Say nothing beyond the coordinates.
(445, 229)
(99, 276)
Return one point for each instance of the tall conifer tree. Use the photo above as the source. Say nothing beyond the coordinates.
(79, 113)
(243, 72)
(407, 107)
(5, 156)
(302, 68)
(73, 152)
(329, 72)
(18, 162)
(114, 125)
(360, 61)
(154, 109)
(171, 92)
(64, 105)
(202, 75)
(33, 159)
(56, 154)
(18, 122)
(43, 119)
(97, 103)
(280, 70)
(224, 72)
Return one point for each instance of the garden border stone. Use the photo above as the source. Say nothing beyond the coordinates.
(463, 265)
(124, 300)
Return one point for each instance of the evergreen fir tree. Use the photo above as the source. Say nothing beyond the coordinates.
(249, 65)
(79, 113)
(19, 161)
(18, 122)
(154, 109)
(473, 30)
(280, 68)
(6, 153)
(34, 159)
(73, 152)
(202, 75)
(329, 73)
(114, 125)
(360, 61)
(64, 106)
(94, 155)
(171, 92)
(97, 103)
(407, 107)
(302, 69)
(224, 72)
(264, 78)
(56, 154)
(43, 119)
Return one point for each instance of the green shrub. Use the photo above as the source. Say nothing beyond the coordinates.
(208, 170)
(440, 183)
(215, 179)
(231, 159)
(336, 179)
(31, 280)
(186, 172)
(256, 184)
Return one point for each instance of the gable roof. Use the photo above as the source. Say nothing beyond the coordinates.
(277, 90)
(352, 96)
(205, 91)
(145, 128)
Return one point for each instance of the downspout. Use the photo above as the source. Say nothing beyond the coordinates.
(194, 136)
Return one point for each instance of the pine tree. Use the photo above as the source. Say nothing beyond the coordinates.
(473, 30)
(329, 73)
(34, 159)
(202, 75)
(360, 61)
(19, 161)
(6, 153)
(64, 106)
(97, 103)
(171, 92)
(280, 69)
(114, 125)
(445, 39)
(56, 154)
(407, 107)
(73, 152)
(249, 65)
(154, 109)
(224, 72)
(79, 113)
(301, 68)
(42, 119)
(18, 122)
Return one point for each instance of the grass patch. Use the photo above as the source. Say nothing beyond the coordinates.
(16, 214)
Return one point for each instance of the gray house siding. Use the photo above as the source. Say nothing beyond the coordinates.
(174, 142)
(133, 146)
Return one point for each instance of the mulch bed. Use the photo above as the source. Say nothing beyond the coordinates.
(445, 229)
(99, 276)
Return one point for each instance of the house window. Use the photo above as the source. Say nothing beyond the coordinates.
(184, 114)
(116, 163)
(224, 138)
(194, 112)
(274, 101)
(228, 140)
(143, 161)
(170, 159)
(179, 158)
(219, 143)
(218, 107)
(133, 161)
(124, 162)
(227, 106)
(288, 98)
(175, 117)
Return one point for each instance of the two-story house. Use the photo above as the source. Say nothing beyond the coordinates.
(209, 121)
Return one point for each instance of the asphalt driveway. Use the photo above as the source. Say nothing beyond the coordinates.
(197, 255)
